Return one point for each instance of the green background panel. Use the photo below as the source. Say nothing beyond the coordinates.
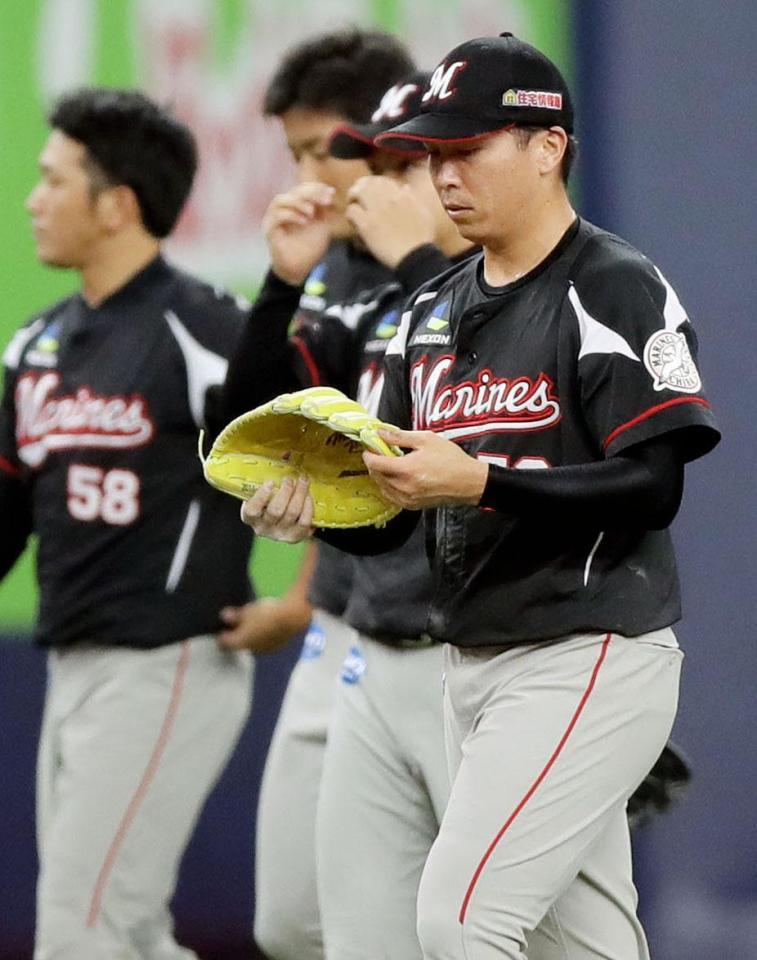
(27, 286)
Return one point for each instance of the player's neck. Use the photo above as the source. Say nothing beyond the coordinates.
(113, 264)
(518, 251)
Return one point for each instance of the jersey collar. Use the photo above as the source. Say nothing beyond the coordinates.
(565, 240)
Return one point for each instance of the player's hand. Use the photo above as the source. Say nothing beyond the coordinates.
(282, 513)
(435, 472)
(389, 218)
(264, 625)
(297, 230)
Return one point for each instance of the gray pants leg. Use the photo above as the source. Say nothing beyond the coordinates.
(384, 788)
(546, 744)
(287, 919)
(132, 743)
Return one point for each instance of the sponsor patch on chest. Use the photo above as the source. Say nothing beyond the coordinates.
(44, 351)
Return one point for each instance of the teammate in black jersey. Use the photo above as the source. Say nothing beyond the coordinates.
(104, 395)
(384, 784)
(316, 267)
(550, 398)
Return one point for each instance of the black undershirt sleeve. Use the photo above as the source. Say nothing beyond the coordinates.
(261, 366)
(369, 541)
(641, 486)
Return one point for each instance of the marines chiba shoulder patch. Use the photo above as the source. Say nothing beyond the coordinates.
(668, 359)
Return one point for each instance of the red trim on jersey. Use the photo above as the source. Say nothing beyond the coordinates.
(650, 413)
(308, 359)
(7, 467)
(139, 795)
(532, 789)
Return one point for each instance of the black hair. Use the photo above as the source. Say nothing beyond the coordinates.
(346, 72)
(132, 140)
(524, 135)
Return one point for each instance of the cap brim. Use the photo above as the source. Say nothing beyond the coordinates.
(437, 128)
(358, 141)
(353, 141)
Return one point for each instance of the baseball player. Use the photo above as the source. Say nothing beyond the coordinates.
(327, 81)
(384, 783)
(546, 429)
(104, 394)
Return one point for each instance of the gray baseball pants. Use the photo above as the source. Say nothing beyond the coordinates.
(545, 745)
(287, 918)
(383, 792)
(132, 743)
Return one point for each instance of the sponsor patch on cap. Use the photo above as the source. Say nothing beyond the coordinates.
(544, 99)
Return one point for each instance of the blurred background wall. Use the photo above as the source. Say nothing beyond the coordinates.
(666, 97)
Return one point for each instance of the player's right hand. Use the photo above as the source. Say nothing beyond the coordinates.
(389, 218)
(282, 513)
(297, 230)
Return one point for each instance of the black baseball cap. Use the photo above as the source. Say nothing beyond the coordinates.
(400, 103)
(483, 86)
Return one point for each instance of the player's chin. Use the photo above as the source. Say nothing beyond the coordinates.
(468, 227)
(54, 258)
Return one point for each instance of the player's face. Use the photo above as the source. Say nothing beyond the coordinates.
(67, 227)
(487, 186)
(307, 133)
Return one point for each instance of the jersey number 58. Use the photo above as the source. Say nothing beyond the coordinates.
(108, 495)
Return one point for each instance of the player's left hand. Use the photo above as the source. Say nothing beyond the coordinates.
(283, 513)
(435, 472)
(263, 625)
(390, 220)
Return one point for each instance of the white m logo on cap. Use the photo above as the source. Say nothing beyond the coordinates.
(392, 103)
(439, 85)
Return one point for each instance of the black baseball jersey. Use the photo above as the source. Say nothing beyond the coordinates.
(343, 275)
(346, 349)
(587, 355)
(267, 363)
(100, 421)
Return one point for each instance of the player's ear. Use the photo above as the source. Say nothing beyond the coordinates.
(117, 207)
(552, 145)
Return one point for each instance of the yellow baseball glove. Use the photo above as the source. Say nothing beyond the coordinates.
(318, 432)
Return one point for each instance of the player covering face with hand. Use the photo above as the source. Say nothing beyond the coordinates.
(548, 435)
(320, 84)
(379, 806)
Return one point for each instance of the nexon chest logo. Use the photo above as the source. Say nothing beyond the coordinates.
(489, 404)
(435, 330)
(313, 296)
(44, 351)
(384, 331)
(46, 423)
